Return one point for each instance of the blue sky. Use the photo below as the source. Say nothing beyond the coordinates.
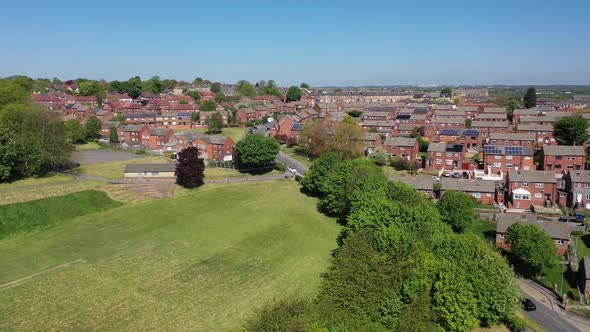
(319, 42)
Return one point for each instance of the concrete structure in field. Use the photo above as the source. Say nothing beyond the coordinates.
(165, 170)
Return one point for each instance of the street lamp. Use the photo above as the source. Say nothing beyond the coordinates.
(561, 285)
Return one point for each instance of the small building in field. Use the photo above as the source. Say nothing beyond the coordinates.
(161, 171)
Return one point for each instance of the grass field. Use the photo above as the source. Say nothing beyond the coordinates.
(25, 217)
(37, 181)
(114, 169)
(234, 132)
(87, 146)
(483, 228)
(204, 261)
(213, 173)
(297, 154)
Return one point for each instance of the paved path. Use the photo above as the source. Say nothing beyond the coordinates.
(549, 314)
(287, 160)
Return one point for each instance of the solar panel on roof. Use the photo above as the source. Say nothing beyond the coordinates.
(490, 149)
(471, 132)
(514, 150)
(296, 126)
(449, 132)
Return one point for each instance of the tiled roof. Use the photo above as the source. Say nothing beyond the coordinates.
(563, 150)
(532, 176)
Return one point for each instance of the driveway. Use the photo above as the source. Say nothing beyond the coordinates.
(102, 156)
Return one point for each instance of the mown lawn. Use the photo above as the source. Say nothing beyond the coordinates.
(214, 173)
(297, 154)
(114, 169)
(204, 261)
(87, 146)
(37, 181)
(43, 213)
(235, 133)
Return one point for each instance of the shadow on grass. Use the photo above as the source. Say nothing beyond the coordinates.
(490, 235)
(586, 240)
(257, 171)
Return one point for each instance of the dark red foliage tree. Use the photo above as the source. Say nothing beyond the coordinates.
(291, 140)
(190, 169)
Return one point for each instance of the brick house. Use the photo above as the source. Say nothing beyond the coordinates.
(470, 111)
(105, 130)
(245, 115)
(215, 147)
(529, 188)
(158, 137)
(484, 191)
(385, 127)
(445, 156)
(404, 129)
(543, 133)
(486, 128)
(420, 183)
(518, 113)
(135, 134)
(560, 158)
(577, 187)
(514, 139)
(558, 231)
(323, 109)
(584, 273)
(403, 147)
(492, 117)
(504, 158)
(371, 143)
(441, 123)
(467, 137)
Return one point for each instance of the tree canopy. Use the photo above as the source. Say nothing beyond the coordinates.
(531, 245)
(208, 106)
(190, 168)
(93, 126)
(214, 124)
(571, 130)
(457, 209)
(75, 131)
(304, 86)
(530, 98)
(294, 94)
(256, 151)
(246, 89)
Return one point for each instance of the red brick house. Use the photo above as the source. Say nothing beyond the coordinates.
(558, 231)
(245, 115)
(560, 158)
(518, 113)
(467, 137)
(470, 111)
(135, 135)
(216, 147)
(158, 137)
(492, 117)
(371, 143)
(445, 156)
(420, 183)
(385, 127)
(577, 187)
(504, 158)
(483, 191)
(105, 130)
(585, 275)
(529, 188)
(543, 133)
(486, 128)
(441, 123)
(403, 147)
(514, 139)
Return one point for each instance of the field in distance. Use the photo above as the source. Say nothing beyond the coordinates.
(203, 261)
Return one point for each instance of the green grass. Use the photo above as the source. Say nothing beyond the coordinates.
(25, 195)
(552, 276)
(87, 146)
(482, 228)
(581, 243)
(26, 217)
(37, 181)
(204, 261)
(235, 133)
(114, 169)
(213, 173)
(297, 153)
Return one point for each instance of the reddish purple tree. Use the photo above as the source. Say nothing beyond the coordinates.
(190, 169)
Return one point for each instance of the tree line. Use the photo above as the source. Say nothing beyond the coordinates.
(401, 263)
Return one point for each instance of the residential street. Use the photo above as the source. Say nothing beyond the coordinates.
(549, 314)
(290, 161)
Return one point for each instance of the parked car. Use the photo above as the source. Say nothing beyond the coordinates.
(465, 175)
(456, 175)
(446, 174)
(529, 305)
(292, 170)
(435, 178)
(577, 217)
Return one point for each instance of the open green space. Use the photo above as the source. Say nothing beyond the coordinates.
(87, 146)
(37, 181)
(24, 217)
(214, 173)
(203, 261)
(114, 169)
(235, 133)
(297, 153)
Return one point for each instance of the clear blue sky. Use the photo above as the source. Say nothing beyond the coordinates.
(319, 42)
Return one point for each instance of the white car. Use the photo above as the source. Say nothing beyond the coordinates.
(292, 170)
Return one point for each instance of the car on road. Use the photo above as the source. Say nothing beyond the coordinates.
(435, 178)
(577, 217)
(292, 170)
(465, 175)
(446, 174)
(456, 175)
(529, 305)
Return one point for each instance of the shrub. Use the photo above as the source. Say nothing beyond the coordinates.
(140, 151)
(280, 166)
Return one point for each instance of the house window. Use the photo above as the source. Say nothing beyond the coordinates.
(525, 184)
(449, 162)
(497, 157)
(497, 165)
(488, 195)
(438, 161)
(509, 157)
(570, 158)
(508, 165)
(558, 157)
(501, 236)
(538, 195)
(560, 242)
(477, 195)
(538, 185)
(587, 196)
(521, 196)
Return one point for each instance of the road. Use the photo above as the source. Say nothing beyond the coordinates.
(545, 316)
(287, 160)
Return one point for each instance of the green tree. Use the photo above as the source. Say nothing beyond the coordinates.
(354, 113)
(457, 209)
(314, 138)
(511, 106)
(198, 81)
(90, 88)
(304, 86)
(454, 301)
(380, 158)
(256, 151)
(246, 89)
(75, 131)
(346, 139)
(190, 168)
(220, 97)
(216, 87)
(294, 94)
(113, 135)
(271, 89)
(11, 92)
(8, 154)
(316, 177)
(93, 127)
(214, 124)
(208, 106)
(153, 85)
(530, 98)
(531, 245)
(571, 130)
(194, 94)
(120, 118)
(134, 87)
(446, 92)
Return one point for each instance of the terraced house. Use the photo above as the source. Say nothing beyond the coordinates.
(561, 158)
(504, 158)
(445, 156)
(405, 148)
(526, 189)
